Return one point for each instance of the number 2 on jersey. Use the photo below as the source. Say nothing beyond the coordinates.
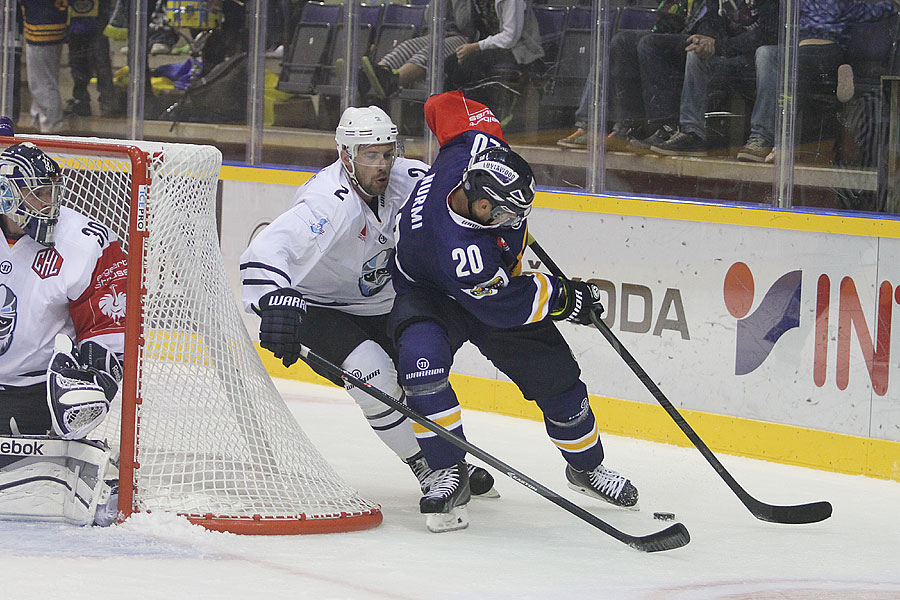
(468, 261)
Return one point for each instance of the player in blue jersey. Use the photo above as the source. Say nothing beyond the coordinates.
(459, 243)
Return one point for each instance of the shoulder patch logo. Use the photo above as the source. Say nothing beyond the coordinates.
(489, 287)
(113, 305)
(47, 263)
(318, 228)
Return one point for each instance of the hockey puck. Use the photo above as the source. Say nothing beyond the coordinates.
(664, 516)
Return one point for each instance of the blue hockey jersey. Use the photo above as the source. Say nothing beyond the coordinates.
(477, 266)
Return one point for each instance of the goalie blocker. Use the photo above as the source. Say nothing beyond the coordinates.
(69, 481)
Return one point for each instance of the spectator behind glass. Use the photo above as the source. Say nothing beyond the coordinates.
(823, 38)
(406, 65)
(627, 94)
(743, 27)
(89, 56)
(45, 31)
(506, 31)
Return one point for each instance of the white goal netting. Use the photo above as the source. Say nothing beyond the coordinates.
(212, 437)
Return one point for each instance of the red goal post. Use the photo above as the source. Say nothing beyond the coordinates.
(201, 429)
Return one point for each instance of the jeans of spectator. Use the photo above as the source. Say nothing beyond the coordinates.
(816, 65)
(42, 63)
(89, 55)
(625, 91)
(698, 72)
(661, 57)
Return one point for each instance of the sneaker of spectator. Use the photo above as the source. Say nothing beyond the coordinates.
(383, 81)
(845, 87)
(627, 137)
(660, 136)
(160, 48)
(578, 139)
(75, 107)
(682, 143)
(278, 52)
(755, 150)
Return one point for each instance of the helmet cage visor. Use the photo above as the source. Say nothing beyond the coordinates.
(33, 204)
(505, 216)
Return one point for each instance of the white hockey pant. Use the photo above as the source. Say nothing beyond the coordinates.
(370, 362)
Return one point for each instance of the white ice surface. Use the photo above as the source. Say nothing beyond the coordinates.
(518, 547)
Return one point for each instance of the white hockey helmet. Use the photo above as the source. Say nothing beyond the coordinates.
(364, 126)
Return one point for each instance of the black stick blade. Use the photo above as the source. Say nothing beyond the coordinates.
(792, 515)
(669, 538)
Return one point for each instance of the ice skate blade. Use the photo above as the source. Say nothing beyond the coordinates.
(596, 496)
(457, 518)
(491, 494)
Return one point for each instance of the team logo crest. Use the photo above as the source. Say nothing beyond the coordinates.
(113, 305)
(47, 263)
(8, 315)
(318, 228)
(376, 273)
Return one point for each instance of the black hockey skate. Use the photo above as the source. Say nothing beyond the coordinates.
(444, 505)
(603, 484)
(481, 482)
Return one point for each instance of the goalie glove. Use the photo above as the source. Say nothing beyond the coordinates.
(281, 314)
(77, 401)
(105, 365)
(576, 301)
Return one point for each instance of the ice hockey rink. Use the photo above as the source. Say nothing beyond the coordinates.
(520, 546)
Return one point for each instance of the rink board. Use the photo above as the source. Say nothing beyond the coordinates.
(771, 330)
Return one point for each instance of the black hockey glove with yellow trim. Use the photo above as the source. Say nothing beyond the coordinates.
(576, 301)
(281, 313)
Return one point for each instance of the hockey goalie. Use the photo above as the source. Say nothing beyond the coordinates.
(62, 317)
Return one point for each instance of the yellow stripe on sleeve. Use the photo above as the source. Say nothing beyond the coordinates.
(541, 304)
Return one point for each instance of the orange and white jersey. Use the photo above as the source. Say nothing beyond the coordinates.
(76, 287)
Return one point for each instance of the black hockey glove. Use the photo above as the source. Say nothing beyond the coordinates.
(281, 312)
(104, 364)
(576, 301)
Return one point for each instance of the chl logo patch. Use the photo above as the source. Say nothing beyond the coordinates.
(47, 263)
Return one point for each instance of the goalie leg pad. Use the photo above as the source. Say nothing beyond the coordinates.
(370, 362)
(77, 403)
(44, 479)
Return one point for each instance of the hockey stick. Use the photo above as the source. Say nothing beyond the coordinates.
(669, 538)
(797, 514)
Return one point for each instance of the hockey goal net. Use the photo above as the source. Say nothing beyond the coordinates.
(201, 429)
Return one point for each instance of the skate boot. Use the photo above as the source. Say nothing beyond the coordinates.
(108, 507)
(444, 505)
(603, 484)
(481, 482)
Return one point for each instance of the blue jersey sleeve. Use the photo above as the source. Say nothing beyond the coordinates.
(482, 275)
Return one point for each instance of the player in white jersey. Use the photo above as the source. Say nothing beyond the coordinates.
(62, 323)
(318, 274)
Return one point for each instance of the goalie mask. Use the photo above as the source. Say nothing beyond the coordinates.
(504, 178)
(31, 185)
(362, 127)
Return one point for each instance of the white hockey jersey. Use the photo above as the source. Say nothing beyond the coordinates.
(77, 287)
(330, 246)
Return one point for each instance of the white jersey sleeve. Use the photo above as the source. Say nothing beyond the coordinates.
(330, 245)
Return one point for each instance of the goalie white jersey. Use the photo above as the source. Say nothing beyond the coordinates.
(330, 245)
(76, 287)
